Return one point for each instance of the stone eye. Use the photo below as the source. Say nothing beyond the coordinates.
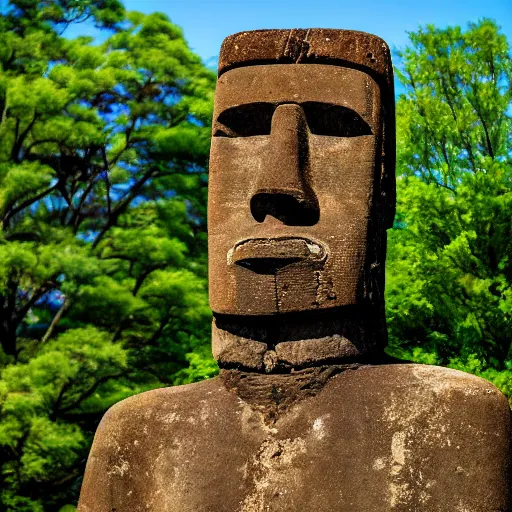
(245, 120)
(322, 119)
(334, 120)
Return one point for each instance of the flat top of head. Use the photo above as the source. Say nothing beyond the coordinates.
(348, 48)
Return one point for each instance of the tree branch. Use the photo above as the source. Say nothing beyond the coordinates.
(89, 392)
(18, 141)
(11, 211)
(77, 216)
(42, 141)
(55, 321)
(107, 179)
(123, 205)
(21, 313)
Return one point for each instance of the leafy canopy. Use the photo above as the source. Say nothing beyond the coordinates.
(103, 154)
(449, 289)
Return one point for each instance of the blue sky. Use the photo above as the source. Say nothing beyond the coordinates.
(207, 22)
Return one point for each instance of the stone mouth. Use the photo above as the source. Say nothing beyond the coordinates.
(267, 255)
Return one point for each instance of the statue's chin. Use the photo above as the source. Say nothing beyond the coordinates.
(297, 340)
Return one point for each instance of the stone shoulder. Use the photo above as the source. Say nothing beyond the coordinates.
(422, 379)
(440, 376)
(446, 380)
(162, 397)
(134, 412)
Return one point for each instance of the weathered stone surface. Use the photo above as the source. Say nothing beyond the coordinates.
(294, 182)
(381, 438)
(306, 414)
(346, 48)
(301, 193)
(296, 341)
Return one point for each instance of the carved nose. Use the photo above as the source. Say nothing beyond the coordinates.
(283, 189)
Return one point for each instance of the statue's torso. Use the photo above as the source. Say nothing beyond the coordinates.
(398, 437)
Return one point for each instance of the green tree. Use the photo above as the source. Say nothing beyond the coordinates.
(449, 289)
(103, 154)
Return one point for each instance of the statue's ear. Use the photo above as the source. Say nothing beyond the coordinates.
(388, 164)
(388, 195)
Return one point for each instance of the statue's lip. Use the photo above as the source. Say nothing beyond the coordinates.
(277, 251)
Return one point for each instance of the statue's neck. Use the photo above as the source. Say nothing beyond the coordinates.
(273, 394)
(286, 342)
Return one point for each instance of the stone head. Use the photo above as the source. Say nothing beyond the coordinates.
(302, 164)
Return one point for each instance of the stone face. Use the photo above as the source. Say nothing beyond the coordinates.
(290, 208)
(373, 438)
(301, 192)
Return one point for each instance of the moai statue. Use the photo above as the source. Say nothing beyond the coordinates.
(307, 413)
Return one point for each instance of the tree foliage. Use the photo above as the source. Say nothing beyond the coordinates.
(449, 290)
(103, 154)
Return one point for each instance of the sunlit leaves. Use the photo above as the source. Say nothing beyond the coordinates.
(449, 283)
(103, 155)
